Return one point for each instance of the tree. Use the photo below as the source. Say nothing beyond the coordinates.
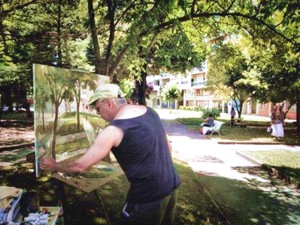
(127, 88)
(79, 80)
(40, 104)
(130, 23)
(132, 29)
(55, 84)
(172, 51)
(171, 94)
(29, 38)
(275, 68)
(226, 68)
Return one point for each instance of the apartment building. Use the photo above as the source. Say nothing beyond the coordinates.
(158, 83)
(195, 94)
(192, 86)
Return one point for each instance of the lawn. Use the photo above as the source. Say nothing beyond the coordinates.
(251, 131)
(104, 205)
(195, 205)
(286, 163)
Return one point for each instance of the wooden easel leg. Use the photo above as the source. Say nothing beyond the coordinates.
(61, 196)
(98, 196)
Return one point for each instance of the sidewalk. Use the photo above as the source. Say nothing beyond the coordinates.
(241, 189)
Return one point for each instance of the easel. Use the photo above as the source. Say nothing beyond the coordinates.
(86, 184)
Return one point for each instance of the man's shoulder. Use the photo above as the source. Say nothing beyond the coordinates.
(132, 111)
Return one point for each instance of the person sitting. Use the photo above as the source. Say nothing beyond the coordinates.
(208, 122)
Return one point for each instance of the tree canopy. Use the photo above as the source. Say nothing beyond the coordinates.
(133, 38)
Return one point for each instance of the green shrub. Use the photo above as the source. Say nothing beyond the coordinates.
(215, 112)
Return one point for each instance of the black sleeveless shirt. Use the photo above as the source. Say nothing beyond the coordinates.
(145, 159)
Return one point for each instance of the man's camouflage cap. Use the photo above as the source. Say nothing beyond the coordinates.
(106, 91)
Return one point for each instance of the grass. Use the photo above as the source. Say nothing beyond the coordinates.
(254, 131)
(285, 162)
(14, 155)
(73, 145)
(277, 158)
(18, 116)
(104, 205)
(69, 124)
(195, 205)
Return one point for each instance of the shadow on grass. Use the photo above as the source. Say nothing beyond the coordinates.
(14, 155)
(288, 174)
(194, 206)
(104, 205)
(254, 201)
(201, 199)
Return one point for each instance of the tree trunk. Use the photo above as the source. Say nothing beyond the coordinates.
(54, 131)
(141, 86)
(6, 98)
(111, 16)
(3, 37)
(43, 118)
(27, 108)
(94, 37)
(298, 115)
(59, 51)
(0, 108)
(239, 107)
(78, 115)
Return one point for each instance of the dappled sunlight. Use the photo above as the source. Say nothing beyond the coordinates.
(222, 170)
(262, 202)
(276, 188)
(16, 135)
(225, 187)
(6, 165)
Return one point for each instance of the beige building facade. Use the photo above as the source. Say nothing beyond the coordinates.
(195, 94)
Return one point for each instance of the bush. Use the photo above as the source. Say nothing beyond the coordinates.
(215, 112)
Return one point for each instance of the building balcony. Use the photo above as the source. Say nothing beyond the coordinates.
(198, 84)
(198, 98)
(156, 88)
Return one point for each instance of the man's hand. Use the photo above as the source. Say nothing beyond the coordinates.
(47, 163)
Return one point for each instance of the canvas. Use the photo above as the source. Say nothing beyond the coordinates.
(65, 126)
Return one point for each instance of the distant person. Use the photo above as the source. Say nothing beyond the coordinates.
(208, 122)
(137, 138)
(277, 121)
(232, 117)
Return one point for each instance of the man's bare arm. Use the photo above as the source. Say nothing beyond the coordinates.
(108, 138)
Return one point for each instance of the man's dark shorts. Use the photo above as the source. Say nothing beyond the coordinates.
(160, 212)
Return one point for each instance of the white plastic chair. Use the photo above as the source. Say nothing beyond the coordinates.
(215, 129)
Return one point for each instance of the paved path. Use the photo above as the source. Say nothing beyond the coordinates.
(204, 155)
(243, 191)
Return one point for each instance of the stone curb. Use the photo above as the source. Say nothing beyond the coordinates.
(249, 158)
